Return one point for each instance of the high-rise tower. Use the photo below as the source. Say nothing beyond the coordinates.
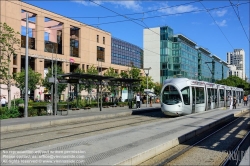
(237, 58)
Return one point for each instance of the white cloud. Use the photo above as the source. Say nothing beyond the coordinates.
(86, 2)
(220, 13)
(178, 9)
(132, 5)
(223, 23)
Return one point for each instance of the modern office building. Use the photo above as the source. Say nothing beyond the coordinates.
(172, 55)
(126, 54)
(237, 58)
(57, 39)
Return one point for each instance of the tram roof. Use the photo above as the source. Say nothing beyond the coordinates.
(98, 77)
(86, 76)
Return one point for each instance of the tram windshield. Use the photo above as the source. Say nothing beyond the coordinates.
(170, 95)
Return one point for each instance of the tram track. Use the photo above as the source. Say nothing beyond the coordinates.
(85, 124)
(41, 137)
(209, 148)
(238, 152)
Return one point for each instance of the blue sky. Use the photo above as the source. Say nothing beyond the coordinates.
(211, 24)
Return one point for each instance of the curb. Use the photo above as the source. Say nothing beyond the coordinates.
(59, 122)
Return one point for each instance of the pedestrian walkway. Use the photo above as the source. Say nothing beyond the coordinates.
(74, 116)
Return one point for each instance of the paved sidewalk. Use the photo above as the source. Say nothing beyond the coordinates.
(74, 116)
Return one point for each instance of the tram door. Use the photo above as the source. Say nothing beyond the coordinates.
(228, 101)
(208, 98)
(212, 98)
(193, 99)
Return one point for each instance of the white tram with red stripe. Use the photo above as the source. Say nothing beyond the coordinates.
(182, 96)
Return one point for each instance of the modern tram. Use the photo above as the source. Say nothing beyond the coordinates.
(183, 96)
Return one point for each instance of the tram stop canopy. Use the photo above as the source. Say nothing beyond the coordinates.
(90, 79)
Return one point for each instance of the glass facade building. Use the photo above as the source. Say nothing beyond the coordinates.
(181, 57)
(126, 54)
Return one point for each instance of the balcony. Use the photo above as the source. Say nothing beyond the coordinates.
(32, 42)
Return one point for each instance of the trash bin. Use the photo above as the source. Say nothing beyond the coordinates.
(49, 109)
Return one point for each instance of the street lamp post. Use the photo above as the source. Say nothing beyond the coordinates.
(146, 70)
(52, 86)
(26, 67)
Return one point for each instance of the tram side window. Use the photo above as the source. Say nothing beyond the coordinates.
(200, 95)
(221, 95)
(186, 95)
(228, 94)
(171, 95)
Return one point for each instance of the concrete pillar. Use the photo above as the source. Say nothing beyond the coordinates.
(65, 67)
(39, 32)
(39, 66)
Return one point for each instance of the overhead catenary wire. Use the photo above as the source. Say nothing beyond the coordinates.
(92, 25)
(238, 16)
(120, 15)
(147, 17)
(149, 11)
(217, 25)
(154, 31)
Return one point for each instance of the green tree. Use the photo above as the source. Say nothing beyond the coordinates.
(144, 83)
(111, 72)
(124, 74)
(46, 84)
(157, 88)
(34, 78)
(81, 71)
(134, 73)
(236, 82)
(9, 46)
(92, 70)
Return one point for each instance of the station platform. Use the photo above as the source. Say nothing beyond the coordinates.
(133, 145)
(15, 124)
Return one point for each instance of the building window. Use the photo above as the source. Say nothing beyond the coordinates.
(103, 40)
(74, 41)
(100, 54)
(31, 29)
(14, 72)
(97, 38)
(53, 36)
(14, 59)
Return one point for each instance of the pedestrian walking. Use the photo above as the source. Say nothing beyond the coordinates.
(234, 103)
(150, 101)
(3, 102)
(138, 101)
(245, 100)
